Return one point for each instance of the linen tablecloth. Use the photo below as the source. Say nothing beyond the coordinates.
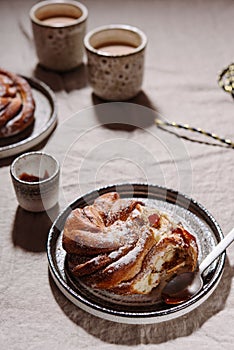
(189, 42)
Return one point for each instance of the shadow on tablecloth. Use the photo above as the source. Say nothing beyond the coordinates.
(75, 79)
(123, 334)
(30, 230)
(126, 117)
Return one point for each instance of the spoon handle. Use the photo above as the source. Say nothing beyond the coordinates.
(219, 248)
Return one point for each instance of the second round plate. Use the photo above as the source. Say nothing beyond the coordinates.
(139, 309)
(45, 122)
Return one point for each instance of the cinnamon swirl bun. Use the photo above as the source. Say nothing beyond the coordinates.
(126, 247)
(16, 104)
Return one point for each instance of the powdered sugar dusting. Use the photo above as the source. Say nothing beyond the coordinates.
(132, 255)
(131, 238)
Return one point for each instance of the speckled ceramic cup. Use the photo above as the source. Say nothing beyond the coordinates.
(115, 61)
(59, 28)
(40, 194)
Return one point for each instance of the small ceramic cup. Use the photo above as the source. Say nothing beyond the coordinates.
(115, 61)
(59, 27)
(35, 176)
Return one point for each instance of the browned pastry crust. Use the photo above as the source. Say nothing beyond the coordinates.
(16, 104)
(173, 254)
(125, 247)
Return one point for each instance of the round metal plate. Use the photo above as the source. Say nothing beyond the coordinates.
(139, 309)
(45, 121)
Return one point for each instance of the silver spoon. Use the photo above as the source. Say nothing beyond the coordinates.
(185, 285)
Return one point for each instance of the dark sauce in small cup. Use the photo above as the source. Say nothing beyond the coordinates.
(32, 178)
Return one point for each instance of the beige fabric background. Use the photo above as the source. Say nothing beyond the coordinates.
(189, 43)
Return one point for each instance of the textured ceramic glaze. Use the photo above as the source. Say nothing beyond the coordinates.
(115, 77)
(41, 195)
(59, 48)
